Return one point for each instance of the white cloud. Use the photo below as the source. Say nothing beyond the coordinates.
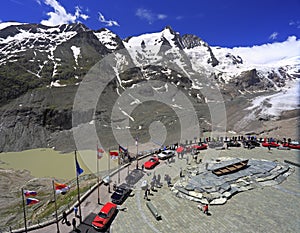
(269, 53)
(60, 15)
(161, 16)
(295, 23)
(273, 36)
(38, 2)
(78, 14)
(108, 23)
(149, 15)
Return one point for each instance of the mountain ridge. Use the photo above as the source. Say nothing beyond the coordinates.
(45, 61)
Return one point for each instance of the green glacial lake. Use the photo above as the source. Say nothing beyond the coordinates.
(53, 164)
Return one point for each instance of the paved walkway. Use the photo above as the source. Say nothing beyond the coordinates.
(264, 209)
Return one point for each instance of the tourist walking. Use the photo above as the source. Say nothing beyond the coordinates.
(76, 211)
(205, 209)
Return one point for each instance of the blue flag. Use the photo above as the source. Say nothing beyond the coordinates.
(79, 170)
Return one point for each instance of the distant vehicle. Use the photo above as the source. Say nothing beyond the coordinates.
(200, 146)
(120, 194)
(254, 143)
(270, 144)
(292, 145)
(233, 144)
(103, 218)
(151, 163)
(166, 154)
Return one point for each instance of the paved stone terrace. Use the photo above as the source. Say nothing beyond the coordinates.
(264, 209)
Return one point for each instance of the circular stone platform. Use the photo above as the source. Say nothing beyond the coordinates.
(200, 184)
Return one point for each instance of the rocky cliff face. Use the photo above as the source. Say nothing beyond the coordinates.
(41, 68)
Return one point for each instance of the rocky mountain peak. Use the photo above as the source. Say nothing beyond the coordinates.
(191, 41)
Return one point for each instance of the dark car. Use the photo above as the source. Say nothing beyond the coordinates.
(120, 194)
(254, 143)
(233, 144)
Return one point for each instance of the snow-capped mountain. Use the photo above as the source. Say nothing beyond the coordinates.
(36, 57)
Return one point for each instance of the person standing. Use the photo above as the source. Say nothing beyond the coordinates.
(64, 217)
(205, 209)
(146, 194)
(74, 224)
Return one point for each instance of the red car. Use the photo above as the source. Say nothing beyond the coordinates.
(200, 147)
(292, 145)
(271, 144)
(151, 163)
(104, 216)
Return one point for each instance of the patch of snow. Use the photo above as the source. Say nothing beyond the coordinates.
(7, 24)
(273, 105)
(56, 84)
(76, 53)
(126, 114)
(107, 38)
(136, 101)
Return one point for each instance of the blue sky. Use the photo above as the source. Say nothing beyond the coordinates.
(227, 23)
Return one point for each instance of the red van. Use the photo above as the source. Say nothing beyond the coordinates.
(104, 216)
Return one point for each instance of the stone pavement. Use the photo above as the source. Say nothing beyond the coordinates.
(263, 209)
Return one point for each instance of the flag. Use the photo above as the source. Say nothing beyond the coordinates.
(114, 154)
(29, 193)
(79, 170)
(31, 201)
(99, 153)
(136, 141)
(61, 188)
(122, 149)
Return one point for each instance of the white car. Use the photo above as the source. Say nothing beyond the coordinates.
(166, 154)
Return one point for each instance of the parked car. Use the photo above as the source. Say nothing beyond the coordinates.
(151, 163)
(233, 144)
(200, 146)
(254, 143)
(120, 194)
(103, 218)
(270, 144)
(166, 154)
(292, 145)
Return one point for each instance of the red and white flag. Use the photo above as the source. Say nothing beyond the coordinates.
(31, 201)
(114, 154)
(61, 188)
(29, 193)
(100, 152)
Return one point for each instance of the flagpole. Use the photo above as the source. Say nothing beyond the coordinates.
(119, 155)
(55, 204)
(78, 194)
(137, 151)
(24, 211)
(109, 171)
(98, 176)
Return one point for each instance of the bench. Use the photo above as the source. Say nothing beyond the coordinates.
(153, 210)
